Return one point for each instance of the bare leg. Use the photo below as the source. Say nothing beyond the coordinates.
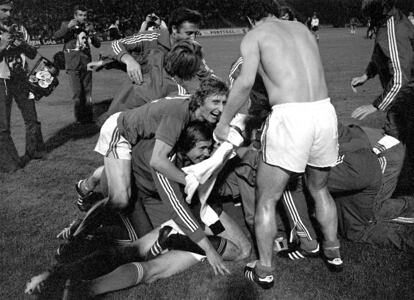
(131, 274)
(118, 174)
(145, 243)
(90, 183)
(271, 182)
(326, 215)
(325, 207)
(238, 245)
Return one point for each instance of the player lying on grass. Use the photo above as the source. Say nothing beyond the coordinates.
(81, 259)
(161, 120)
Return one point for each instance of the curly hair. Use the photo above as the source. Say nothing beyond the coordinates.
(184, 59)
(211, 86)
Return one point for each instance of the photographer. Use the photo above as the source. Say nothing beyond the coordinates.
(78, 34)
(152, 22)
(14, 49)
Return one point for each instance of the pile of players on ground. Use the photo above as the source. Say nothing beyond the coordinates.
(155, 206)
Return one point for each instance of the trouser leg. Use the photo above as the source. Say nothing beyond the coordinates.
(86, 99)
(34, 140)
(9, 158)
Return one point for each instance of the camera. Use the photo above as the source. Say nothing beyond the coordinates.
(79, 27)
(153, 18)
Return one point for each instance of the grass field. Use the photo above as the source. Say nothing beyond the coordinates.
(38, 201)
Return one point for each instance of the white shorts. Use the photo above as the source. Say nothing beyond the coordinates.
(299, 134)
(110, 142)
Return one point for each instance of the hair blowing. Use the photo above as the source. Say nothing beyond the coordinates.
(184, 59)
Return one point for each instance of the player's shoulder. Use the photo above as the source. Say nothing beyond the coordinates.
(142, 36)
(172, 102)
(173, 106)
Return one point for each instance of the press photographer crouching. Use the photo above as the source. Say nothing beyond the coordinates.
(78, 34)
(14, 51)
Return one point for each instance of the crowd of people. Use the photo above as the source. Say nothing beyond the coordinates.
(42, 19)
(176, 141)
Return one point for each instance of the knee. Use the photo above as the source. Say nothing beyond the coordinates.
(119, 201)
(265, 205)
(245, 250)
(316, 188)
(154, 271)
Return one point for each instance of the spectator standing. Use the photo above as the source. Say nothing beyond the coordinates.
(114, 32)
(77, 35)
(352, 24)
(411, 17)
(286, 13)
(315, 25)
(14, 49)
(370, 30)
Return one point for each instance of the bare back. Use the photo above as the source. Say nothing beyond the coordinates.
(290, 63)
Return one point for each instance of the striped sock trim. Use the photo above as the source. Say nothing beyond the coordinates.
(140, 272)
(222, 247)
(156, 249)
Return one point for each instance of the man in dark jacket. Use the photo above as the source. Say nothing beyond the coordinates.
(393, 60)
(77, 35)
(14, 51)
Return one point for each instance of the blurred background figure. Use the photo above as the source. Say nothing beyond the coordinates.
(153, 22)
(411, 17)
(353, 24)
(315, 25)
(114, 32)
(286, 13)
(370, 29)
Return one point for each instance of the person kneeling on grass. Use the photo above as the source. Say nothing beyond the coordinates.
(86, 264)
(362, 184)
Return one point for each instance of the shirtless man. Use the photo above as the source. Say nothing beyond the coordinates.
(300, 134)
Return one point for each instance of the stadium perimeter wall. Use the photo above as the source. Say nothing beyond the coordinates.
(203, 32)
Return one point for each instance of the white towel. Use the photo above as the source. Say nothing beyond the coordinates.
(386, 142)
(207, 171)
